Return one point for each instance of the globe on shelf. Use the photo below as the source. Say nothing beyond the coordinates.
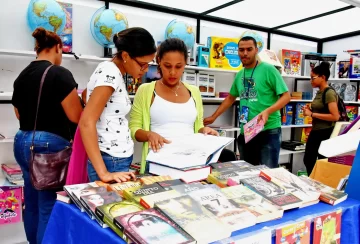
(258, 38)
(181, 30)
(47, 14)
(105, 23)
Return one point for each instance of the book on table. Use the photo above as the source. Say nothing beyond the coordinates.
(188, 157)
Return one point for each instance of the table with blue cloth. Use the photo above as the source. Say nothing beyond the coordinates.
(68, 225)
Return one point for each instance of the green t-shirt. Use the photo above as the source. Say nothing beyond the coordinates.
(260, 93)
(317, 106)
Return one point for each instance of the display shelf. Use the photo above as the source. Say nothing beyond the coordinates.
(300, 101)
(187, 67)
(284, 152)
(65, 56)
(296, 126)
(7, 140)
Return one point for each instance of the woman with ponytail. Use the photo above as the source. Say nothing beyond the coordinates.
(324, 114)
(59, 112)
(103, 125)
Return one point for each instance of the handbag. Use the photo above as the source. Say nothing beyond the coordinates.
(48, 171)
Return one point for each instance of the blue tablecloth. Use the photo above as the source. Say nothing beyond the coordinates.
(68, 225)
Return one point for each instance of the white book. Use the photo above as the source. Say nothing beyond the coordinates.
(307, 194)
(190, 151)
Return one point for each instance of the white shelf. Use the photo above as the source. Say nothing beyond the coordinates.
(284, 152)
(300, 101)
(296, 126)
(5, 96)
(65, 56)
(7, 140)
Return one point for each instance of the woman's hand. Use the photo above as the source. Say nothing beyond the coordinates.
(118, 177)
(208, 131)
(156, 141)
(307, 112)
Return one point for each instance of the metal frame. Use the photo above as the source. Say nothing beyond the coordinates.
(206, 17)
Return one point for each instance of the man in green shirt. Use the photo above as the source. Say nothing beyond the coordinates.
(262, 92)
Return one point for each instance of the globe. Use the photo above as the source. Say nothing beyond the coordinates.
(258, 38)
(105, 23)
(47, 14)
(181, 30)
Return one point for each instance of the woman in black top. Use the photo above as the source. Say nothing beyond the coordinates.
(59, 112)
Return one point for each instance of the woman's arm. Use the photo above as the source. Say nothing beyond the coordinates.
(72, 106)
(332, 116)
(89, 118)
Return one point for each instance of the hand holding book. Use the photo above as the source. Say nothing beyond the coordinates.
(156, 141)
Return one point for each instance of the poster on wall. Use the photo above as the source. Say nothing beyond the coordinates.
(67, 33)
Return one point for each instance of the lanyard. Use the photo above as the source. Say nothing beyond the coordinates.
(250, 79)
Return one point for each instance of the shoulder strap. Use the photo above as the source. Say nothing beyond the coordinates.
(38, 103)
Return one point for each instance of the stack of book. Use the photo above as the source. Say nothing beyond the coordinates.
(13, 173)
(161, 209)
(188, 158)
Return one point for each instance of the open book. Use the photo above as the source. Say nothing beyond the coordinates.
(190, 151)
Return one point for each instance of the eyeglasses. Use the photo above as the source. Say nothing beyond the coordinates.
(143, 66)
(313, 78)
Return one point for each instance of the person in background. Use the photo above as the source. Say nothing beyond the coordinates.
(103, 125)
(323, 116)
(166, 109)
(262, 92)
(59, 112)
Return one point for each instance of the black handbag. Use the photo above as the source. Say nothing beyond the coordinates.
(48, 171)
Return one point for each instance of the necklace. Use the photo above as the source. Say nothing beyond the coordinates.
(177, 88)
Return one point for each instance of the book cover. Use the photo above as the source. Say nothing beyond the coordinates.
(187, 188)
(11, 169)
(273, 192)
(120, 187)
(145, 190)
(263, 209)
(327, 194)
(63, 197)
(228, 166)
(252, 128)
(149, 226)
(10, 205)
(153, 179)
(343, 69)
(221, 178)
(245, 173)
(291, 61)
(193, 218)
(292, 184)
(96, 200)
(287, 114)
(327, 228)
(149, 200)
(109, 212)
(70, 189)
(300, 118)
(298, 233)
(235, 217)
(352, 112)
(168, 183)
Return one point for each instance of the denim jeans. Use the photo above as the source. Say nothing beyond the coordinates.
(264, 148)
(38, 204)
(113, 164)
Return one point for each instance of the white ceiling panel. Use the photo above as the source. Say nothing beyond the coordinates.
(196, 6)
(272, 13)
(331, 25)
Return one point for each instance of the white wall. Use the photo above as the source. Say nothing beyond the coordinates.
(339, 46)
(19, 37)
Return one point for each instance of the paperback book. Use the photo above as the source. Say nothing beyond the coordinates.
(298, 233)
(252, 128)
(243, 197)
(327, 228)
